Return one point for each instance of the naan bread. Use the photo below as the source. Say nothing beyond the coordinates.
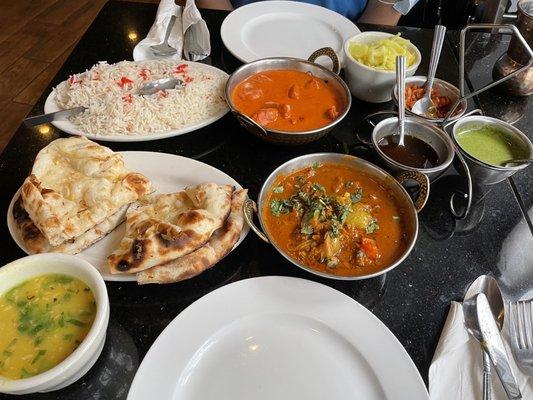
(220, 244)
(161, 228)
(76, 184)
(35, 241)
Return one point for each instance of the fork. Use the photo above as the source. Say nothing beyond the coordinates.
(521, 322)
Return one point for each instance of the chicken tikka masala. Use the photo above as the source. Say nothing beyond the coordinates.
(287, 100)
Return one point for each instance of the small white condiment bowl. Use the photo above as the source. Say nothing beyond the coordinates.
(82, 358)
(371, 84)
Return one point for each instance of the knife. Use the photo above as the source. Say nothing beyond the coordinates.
(55, 116)
(493, 344)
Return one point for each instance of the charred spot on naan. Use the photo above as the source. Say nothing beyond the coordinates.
(28, 229)
(190, 217)
(167, 239)
(182, 239)
(138, 183)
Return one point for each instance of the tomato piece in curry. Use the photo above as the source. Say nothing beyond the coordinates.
(287, 100)
(335, 219)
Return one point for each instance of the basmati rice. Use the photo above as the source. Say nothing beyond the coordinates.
(114, 108)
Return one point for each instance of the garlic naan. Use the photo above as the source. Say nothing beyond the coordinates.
(77, 184)
(206, 256)
(35, 241)
(161, 228)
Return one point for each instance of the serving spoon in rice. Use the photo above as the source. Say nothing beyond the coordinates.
(146, 90)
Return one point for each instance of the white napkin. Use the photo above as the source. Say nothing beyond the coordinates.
(189, 35)
(166, 9)
(196, 44)
(456, 371)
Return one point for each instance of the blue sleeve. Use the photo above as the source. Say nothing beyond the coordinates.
(351, 9)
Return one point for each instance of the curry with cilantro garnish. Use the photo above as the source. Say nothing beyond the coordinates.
(44, 319)
(335, 219)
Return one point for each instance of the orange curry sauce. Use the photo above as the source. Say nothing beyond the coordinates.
(287, 100)
(370, 237)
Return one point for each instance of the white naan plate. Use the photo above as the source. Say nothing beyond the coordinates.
(277, 338)
(168, 173)
(51, 106)
(284, 29)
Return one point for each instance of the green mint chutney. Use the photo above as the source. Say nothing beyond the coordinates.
(491, 144)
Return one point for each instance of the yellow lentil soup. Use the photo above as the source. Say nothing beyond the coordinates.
(44, 319)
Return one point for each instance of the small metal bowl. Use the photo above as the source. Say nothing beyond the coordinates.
(379, 175)
(481, 172)
(443, 87)
(276, 63)
(415, 127)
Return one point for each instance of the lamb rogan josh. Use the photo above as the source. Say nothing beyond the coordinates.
(335, 219)
(287, 100)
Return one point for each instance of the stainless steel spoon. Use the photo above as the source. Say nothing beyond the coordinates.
(145, 90)
(481, 323)
(400, 84)
(160, 84)
(489, 286)
(517, 161)
(164, 49)
(425, 105)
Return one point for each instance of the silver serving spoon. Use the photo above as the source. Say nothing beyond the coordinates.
(481, 322)
(425, 105)
(517, 161)
(160, 84)
(164, 49)
(145, 90)
(400, 84)
(487, 285)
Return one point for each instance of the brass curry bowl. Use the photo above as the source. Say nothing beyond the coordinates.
(308, 66)
(394, 185)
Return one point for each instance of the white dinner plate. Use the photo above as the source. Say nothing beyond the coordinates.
(168, 173)
(51, 106)
(277, 338)
(284, 29)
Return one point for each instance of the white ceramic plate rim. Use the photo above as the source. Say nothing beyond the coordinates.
(129, 156)
(158, 376)
(50, 106)
(232, 25)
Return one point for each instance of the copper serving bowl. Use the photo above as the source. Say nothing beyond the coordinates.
(308, 66)
(394, 185)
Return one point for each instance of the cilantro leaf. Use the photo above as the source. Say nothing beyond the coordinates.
(357, 196)
(372, 227)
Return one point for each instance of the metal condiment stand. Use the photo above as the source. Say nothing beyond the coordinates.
(505, 28)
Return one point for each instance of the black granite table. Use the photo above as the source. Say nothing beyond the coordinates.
(412, 300)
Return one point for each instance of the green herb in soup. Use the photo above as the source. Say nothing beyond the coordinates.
(43, 320)
(491, 144)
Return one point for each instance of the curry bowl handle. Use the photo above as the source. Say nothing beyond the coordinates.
(328, 52)
(423, 183)
(249, 208)
(249, 123)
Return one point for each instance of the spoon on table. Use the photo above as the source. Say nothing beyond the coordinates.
(425, 105)
(487, 284)
(145, 90)
(483, 317)
(516, 161)
(400, 84)
(164, 49)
